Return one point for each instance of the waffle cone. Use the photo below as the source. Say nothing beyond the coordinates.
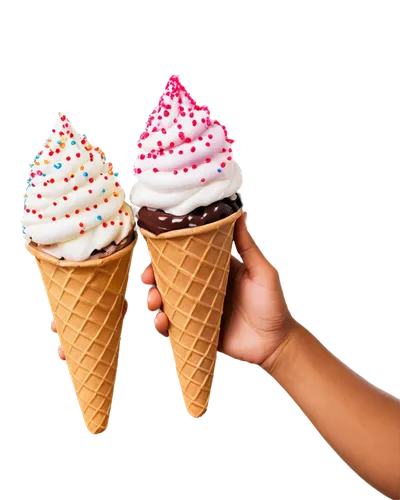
(87, 299)
(191, 268)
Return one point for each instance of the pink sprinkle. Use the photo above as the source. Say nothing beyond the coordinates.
(208, 144)
(181, 136)
(185, 170)
(159, 143)
(138, 170)
(203, 180)
(155, 170)
(210, 136)
(194, 123)
(207, 160)
(200, 138)
(181, 152)
(194, 167)
(192, 149)
(223, 165)
(229, 158)
(175, 172)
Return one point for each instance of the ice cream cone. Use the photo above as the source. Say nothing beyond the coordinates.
(87, 299)
(191, 267)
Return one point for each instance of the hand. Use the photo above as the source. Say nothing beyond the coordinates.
(61, 352)
(256, 322)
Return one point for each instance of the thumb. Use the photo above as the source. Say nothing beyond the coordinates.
(251, 255)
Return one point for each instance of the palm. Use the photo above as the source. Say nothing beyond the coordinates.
(255, 318)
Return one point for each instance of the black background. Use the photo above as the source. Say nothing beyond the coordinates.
(310, 135)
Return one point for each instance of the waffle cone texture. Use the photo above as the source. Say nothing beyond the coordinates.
(87, 299)
(191, 268)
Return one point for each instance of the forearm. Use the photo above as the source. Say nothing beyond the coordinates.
(360, 422)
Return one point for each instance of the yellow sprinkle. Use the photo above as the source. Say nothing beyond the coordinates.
(62, 145)
(46, 162)
(37, 162)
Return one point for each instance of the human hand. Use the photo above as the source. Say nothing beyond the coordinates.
(256, 322)
(61, 352)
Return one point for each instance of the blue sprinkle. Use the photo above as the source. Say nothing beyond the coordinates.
(116, 174)
(219, 170)
(44, 175)
(37, 157)
(73, 143)
(85, 174)
(57, 165)
(31, 164)
(58, 142)
(103, 190)
(99, 217)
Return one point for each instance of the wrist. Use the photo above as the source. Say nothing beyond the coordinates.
(280, 358)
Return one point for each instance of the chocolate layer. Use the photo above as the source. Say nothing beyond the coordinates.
(158, 221)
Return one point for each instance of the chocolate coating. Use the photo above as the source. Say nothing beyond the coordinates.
(158, 221)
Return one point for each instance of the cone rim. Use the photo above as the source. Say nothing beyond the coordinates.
(177, 233)
(41, 255)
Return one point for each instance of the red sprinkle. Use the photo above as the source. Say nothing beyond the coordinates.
(175, 172)
(77, 211)
(67, 216)
(81, 224)
(192, 149)
(203, 180)
(81, 231)
(207, 160)
(39, 195)
(78, 155)
(40, 216)
(68, 158)
(223, 164)
(104, 224)
(53, 218)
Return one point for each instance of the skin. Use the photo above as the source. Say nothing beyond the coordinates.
(359, 421)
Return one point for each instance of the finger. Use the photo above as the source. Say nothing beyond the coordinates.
(124, 308)
(61, 353)
(153, 299)
(251, 255)
(53, 326)
(161, 323)
(148, 276)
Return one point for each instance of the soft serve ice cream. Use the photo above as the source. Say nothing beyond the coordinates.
(74, 204)
(185, 162)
